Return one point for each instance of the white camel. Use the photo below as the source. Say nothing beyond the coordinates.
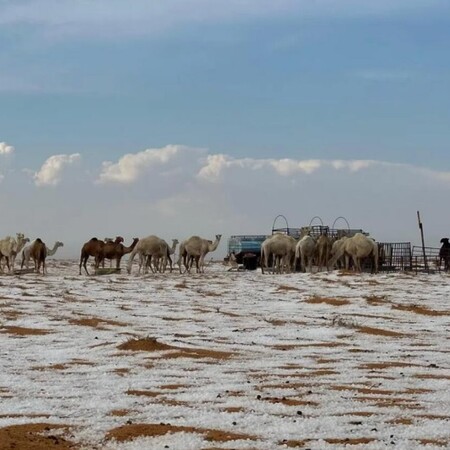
(281, 248)
(343, 261)
(151, 247)
(158, 263)
(358, 247)
(26, 253)
(305, 251)
(10, 247)
(195, 249)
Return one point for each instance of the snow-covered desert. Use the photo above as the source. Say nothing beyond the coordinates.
(224, 360)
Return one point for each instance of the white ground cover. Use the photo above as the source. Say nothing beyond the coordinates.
(319, 361)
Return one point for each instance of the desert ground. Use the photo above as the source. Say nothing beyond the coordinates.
(224, 360)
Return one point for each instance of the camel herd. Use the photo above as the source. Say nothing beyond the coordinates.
(286, 252)
(10, 247)
(283, 251)
(154, 253)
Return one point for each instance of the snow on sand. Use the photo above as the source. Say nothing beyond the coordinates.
(224, 361)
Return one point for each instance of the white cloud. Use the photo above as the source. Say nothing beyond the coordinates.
(183, 164)
(215, 166)
(132, 166)
(6, 149)
(177, 191)
(52, 170)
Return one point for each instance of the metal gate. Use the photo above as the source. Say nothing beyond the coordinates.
(430, 262)
(394, 256)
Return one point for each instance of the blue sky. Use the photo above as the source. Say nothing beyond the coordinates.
(263, 80)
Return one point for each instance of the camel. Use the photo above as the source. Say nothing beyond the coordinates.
(26, 253)
(171, 251)
(282, 248)
(444, 253)
(151, 247)
(233, 262)
(195, 249)
(323, 247)
(10, 247)
(358, 247)
(305, 250)
(94, 248)
(115, 250)
(39, 253)
(343, 261)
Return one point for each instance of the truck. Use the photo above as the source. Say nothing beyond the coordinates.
(246, 249)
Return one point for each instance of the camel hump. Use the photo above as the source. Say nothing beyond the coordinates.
(39, 240)
(94, 239)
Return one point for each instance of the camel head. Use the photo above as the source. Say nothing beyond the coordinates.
(20, 237)
(118, 239)
(59, 244)
(444, 241)
(213, 245)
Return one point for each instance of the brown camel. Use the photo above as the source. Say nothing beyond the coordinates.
(116, 250)
(94, 248)
(39, 253)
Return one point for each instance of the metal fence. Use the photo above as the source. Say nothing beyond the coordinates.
(394, 256)
(430, 262)
(316, 230)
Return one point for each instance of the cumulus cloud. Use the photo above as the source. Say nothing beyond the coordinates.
(132, 166)
(51, 172)
(177, 191)
(175, 166)
(215, 166)
(6, 149)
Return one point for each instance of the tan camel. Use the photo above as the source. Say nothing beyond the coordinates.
(343, 261)
(195, 249)
(281, 248)
(323, 249)
(9, 249)
(116, 250)
(26, 253)
(94, 248)
(151, 247)
(358, 247)
(171, 251)
(39, 254)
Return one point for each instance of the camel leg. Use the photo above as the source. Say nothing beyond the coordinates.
(7, 263)
(83, 261)
(85, 266)
(303, 262)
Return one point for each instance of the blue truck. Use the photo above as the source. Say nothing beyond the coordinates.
(247, 249)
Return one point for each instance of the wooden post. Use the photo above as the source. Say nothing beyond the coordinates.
(423, 242)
